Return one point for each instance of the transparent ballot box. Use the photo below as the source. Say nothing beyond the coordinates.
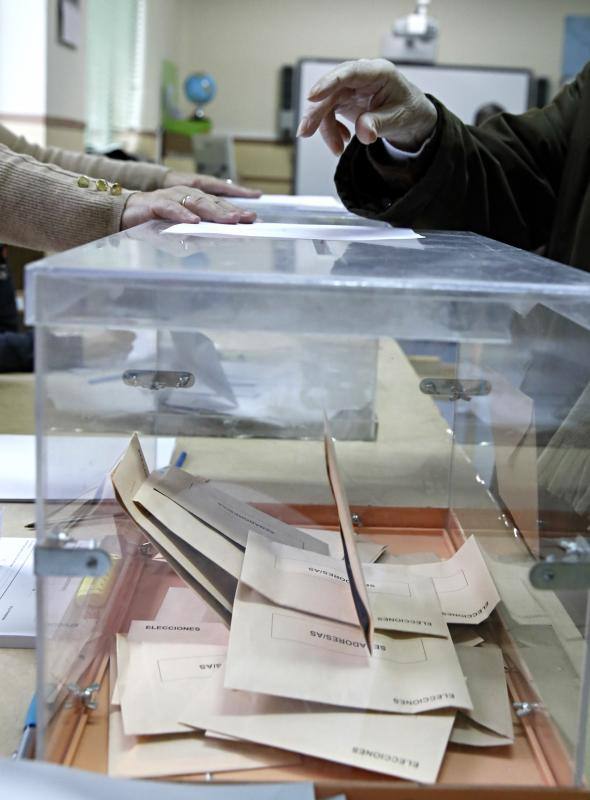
(313, 509)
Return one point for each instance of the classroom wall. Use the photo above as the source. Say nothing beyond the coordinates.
(66, 70)
(41, 80)
(243, 43)
(23, 56)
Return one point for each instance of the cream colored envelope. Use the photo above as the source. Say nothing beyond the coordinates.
(205, 540)
(174, 631)
(369, 550)
(183, 605)
(159, 679)
(409, 747)
(352, 562)
(185, 754)
(408, 558)
(127, 477)
(319, 585)
(463, 583)
(465, 635)
(225, 513)
(489, 723)
(276, 651)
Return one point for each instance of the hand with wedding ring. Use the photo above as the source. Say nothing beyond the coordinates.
(181, 204)
(209, 184)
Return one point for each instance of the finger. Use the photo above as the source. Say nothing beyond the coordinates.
(331, 132)
(223, 188)
(247, 216)
(367, 128)
(351, 75)
(331, 81)
(310, 122)
(231, 189)
(173, 211)
(344, 132)
(212, 210)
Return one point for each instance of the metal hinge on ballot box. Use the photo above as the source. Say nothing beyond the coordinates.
(158, 379)
(570, 572)
(58, 554)
(454, 389)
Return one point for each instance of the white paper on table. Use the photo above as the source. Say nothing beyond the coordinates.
(319, 585)
(410, 747)
(285, 653)
(184, 754)
(489, 723)
(17, 592)
(286, 230)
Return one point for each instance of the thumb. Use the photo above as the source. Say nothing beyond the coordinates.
(367, 127)
(373, 124)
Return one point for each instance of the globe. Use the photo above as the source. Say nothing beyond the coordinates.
(200, 88)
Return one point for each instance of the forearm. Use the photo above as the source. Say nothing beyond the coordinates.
(43, 208)
(130, 174)
(500, 180)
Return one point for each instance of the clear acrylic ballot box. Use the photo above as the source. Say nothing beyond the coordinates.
(454, 372)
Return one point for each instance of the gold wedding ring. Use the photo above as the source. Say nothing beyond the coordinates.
(185, 199)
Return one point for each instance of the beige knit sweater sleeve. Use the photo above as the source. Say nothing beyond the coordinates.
(130, 174)
(42, 206)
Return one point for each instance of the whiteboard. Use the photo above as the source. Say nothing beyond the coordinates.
(462, 89)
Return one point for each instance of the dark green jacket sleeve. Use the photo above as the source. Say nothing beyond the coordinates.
(501, 180)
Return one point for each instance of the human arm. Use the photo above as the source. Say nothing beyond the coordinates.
(131, 174)
(43, 207)
(500, 180)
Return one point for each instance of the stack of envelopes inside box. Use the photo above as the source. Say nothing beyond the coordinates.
(329, 653)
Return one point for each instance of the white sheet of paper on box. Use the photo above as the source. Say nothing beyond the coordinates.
(17, 592)
(286, 230)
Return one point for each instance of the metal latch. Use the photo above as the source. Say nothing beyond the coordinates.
(155, 379)
(454, 389)
(60, 555)
(570, 572)
(86, 696)
(525, 708)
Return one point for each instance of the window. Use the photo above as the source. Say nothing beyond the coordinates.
(115, 43)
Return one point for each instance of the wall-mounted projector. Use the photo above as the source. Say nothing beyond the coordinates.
(413, 38)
